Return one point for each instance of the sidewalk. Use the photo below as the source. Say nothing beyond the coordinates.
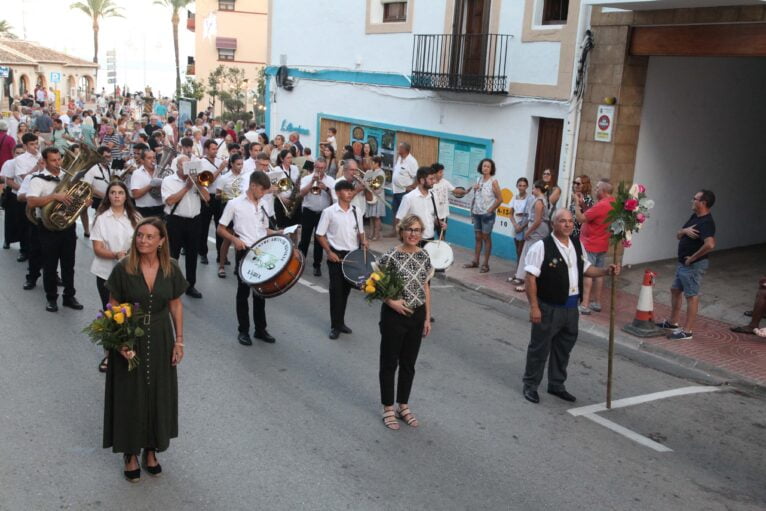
(714, 349)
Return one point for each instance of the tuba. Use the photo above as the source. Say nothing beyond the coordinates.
(57, 216)
(164, 169)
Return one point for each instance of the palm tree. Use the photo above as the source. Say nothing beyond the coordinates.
(175, 5)
(5, 30)
(97, 9)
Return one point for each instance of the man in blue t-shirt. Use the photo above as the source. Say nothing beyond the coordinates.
(696, 240)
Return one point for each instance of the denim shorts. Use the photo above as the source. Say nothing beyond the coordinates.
(483, 223)
(689, 278)
(597, 259)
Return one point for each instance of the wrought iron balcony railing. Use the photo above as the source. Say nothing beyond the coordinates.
(462, 63)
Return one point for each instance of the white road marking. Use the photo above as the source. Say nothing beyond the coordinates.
(646, 442)
(211, 240)
(315, 287)
(635, 400)
(590, 411)
(441, 287)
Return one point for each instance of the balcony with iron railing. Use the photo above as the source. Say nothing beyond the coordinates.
(461, 62)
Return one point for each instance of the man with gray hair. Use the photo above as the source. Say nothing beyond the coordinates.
(555, 268)
(594, 235)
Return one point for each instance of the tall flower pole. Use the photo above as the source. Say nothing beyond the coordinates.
(629, 212)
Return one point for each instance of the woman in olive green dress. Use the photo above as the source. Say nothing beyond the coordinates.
(141, 406)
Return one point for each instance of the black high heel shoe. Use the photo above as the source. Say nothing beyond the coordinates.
(132, 476)
(156, 469)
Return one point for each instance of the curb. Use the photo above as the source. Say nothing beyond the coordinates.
(637, 349)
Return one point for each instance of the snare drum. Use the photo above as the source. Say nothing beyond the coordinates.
(272, 266)
(440, 253)
(357, 267)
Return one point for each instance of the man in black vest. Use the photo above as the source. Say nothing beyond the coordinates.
(555, 267)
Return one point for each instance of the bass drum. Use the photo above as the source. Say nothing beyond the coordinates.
(272, 266)
(357, 267)
(440, 253)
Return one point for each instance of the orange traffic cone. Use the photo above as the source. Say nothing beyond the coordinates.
(643, 325)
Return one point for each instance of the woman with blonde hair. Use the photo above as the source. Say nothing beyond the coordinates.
(141, 406)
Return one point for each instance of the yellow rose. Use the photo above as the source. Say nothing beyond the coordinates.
(119, 318)
(108, 314)
(128, 309)
(375, 276)
(369, 289)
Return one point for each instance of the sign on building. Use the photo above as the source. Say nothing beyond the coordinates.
(604, 123)
(5, 71)
(55, 77)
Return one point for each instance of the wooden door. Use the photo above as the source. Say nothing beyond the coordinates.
(548, 147)
(469, 30)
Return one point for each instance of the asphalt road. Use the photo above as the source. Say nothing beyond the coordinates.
(296, 425)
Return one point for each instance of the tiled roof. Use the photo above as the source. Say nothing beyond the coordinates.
(7, 57)
(37, 53)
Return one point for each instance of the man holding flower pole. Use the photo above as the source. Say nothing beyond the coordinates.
(555, 269)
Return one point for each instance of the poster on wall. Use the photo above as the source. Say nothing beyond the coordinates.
(382, 142)
(460, 160)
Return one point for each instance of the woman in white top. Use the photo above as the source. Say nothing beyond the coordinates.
(487, 198)
(112, 232)
(538, 227)
(520, 219)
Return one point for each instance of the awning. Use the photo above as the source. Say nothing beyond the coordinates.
(226, 43)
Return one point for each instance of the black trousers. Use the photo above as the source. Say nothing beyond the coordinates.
(259, 304)
(14, 221)
(554, 336)
(400, 338)
(339, 290)
(184, 233)
(34, 252)
(158, 211)
(58, 247)
(103, 292)
(309, 222)
(211, 211)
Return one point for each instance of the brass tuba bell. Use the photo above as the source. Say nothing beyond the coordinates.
(57, 216)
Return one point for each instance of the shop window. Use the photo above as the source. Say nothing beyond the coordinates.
(394, 12)
(225, 54)
(555, 12)
(226, 5)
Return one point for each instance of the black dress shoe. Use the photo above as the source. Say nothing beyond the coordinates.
(30, 284)
(203, 260)
(244, 339)
(265, 336)
(531, 395)
(345, 330)
(192, 291)
(227, 263)
(21, 258)
(72, 303)
(51, 306)
(317, 271)
(131, 475)
(563, 394)
(6, 246)
(334, 333)
(749, 314)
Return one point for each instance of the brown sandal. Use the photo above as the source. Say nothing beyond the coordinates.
(389, 420)
(484, 269)
(408, 417)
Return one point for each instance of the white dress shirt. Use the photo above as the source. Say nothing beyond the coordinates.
(24, 187)
(359, 199)
(340, 227)
(24, 164)
(116, 233)
(141, 179)
(536, 254)
(317, 203)
(226, 181)
(251, 219)
(40, 187)
(441, 191)
(188, 206)
(9, 170)
(405, 170)
(248, 167)
(415, 203)
(98, 176)
(212, 166)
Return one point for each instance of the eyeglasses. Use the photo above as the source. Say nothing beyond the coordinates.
(577, 183)
(413, 231)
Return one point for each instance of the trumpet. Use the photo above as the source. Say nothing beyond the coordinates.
(315, 189)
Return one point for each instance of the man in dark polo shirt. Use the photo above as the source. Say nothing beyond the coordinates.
(696, 240)
(555, 268)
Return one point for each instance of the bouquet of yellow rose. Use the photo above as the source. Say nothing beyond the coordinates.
(383, 284)
(116, 328)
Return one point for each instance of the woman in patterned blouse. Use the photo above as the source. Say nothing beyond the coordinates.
(404, 322)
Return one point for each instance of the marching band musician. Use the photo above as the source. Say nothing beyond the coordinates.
(99, 175)
(55, 245)
(230, 186)
(250, 214)
(35, 260)
(142, 182)
(182, 209)
(313, 206)
(212, 209)
(285, 164)
(361, 195)
(27, 163)
(339, 232)
(422, 203)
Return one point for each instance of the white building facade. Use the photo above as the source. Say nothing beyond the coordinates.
(460, 80)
